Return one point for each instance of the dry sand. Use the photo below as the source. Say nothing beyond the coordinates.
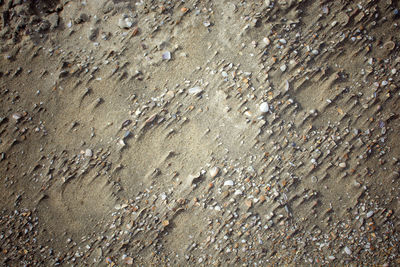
(199, 133)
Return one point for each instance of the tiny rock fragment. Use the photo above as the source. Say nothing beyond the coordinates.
(266, 41)
(88, 153)
(342, 165)
(16, 116)
(165, 223)
(128, 260)
(166, 55)
(264, 107)
(195, 90)
(125, 22)
(248, 203)
(228, 183)
(347, 251)
(370, 214)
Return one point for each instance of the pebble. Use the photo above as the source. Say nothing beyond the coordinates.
(166, 55)
(88, 153)
(282, 41)
(125, 22)
(228, 183)
(283, 68)
(195, 90)
(248, 203)
(342, 165)
(370, 214)
(347, 251)
(16, 116)
(266, 41)
(264, 107)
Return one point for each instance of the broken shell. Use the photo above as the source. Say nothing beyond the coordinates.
(214, 172)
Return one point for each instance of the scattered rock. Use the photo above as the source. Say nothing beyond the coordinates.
(264, 107)
(125, 22)
(342, 164)
(228, 183)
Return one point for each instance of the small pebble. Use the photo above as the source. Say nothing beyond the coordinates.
(264, 107)
(195, 90)
(88, 153)
(228, 183)
(166, 55)
(125, 23)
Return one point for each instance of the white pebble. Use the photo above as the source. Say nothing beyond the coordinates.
(264, 107)
(166, 55)
(228, 183)
(195, 90)
(347, 251)
(88, 153)
(369, 214)
(282, 41)
(125, 23)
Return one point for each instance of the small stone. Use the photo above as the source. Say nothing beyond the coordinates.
(264, 107)
(342, 165)
(282, 41)
(266, 41)
(248, 203)
(16, 116)
(125, 23)
(238, 192)
(283, 68)
(93, 32)
(88, 153)
(206, 24)
(166, 55)
(214, 172)
(165, 223)
(128, 260)
(331, 257)
(347, 251)
(195, 90)
(228, 183)
(370, 214)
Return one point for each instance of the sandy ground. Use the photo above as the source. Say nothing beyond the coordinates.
(199, 133)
